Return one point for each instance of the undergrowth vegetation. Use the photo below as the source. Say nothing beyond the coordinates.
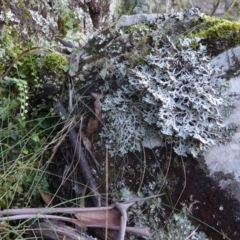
(27, 118)
(153, 85)
(25, 139)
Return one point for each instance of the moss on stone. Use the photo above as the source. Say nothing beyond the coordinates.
(23, 11)
(66, 21)
(62, 22)
(40, 67)
(126, 7)
(55, 63)
(218, 34)
(138, 27)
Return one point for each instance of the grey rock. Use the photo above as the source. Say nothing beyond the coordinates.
(225, 158)
(128, 20)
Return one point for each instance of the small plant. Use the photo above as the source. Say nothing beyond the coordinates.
(24, 147)
(26, 129)
(126, 7)
(22, 88)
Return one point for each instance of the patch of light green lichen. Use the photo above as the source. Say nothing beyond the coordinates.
(151, 214)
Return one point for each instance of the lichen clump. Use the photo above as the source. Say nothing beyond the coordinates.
(169, 94)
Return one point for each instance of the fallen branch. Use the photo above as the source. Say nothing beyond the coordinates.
(122, 207)
(87, 217)
(51, 229)
(141, 231)
(79, 155)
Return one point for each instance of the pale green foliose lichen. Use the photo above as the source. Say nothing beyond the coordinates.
(169, 92)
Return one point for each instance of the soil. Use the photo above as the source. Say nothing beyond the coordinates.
(212, 209)
(215, 207)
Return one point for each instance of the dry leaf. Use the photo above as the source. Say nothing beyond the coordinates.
(46, 198)
(92, 125)
(97, 218)
(82, 200)
(97, 105)
(93, 122)
(88, 146)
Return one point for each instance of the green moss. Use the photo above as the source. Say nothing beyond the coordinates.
(23, 11)
(217, 28)
(218, 34)
(67, 21)
(9, 42)
(55, 63)
(126, 7)
(32, 64)
(38, 66)
(138, 27)
(62, 22)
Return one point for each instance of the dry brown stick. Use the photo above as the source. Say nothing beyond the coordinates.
(27, 213)
(106, 200)
(79, 155)
(141, 231)
(122, 207)
(215, 8)
(73, 210)
(52, 229)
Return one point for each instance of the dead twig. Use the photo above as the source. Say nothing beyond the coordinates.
(87, 217)
(93, 218)
(122, 207)
(52, 229)
(79, 155)
(215, 8)
(106, 200)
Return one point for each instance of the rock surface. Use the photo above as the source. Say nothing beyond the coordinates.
(223, 160)
(157, 6)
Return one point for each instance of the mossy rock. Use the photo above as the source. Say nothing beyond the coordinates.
(218, 34)
(43, 71)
